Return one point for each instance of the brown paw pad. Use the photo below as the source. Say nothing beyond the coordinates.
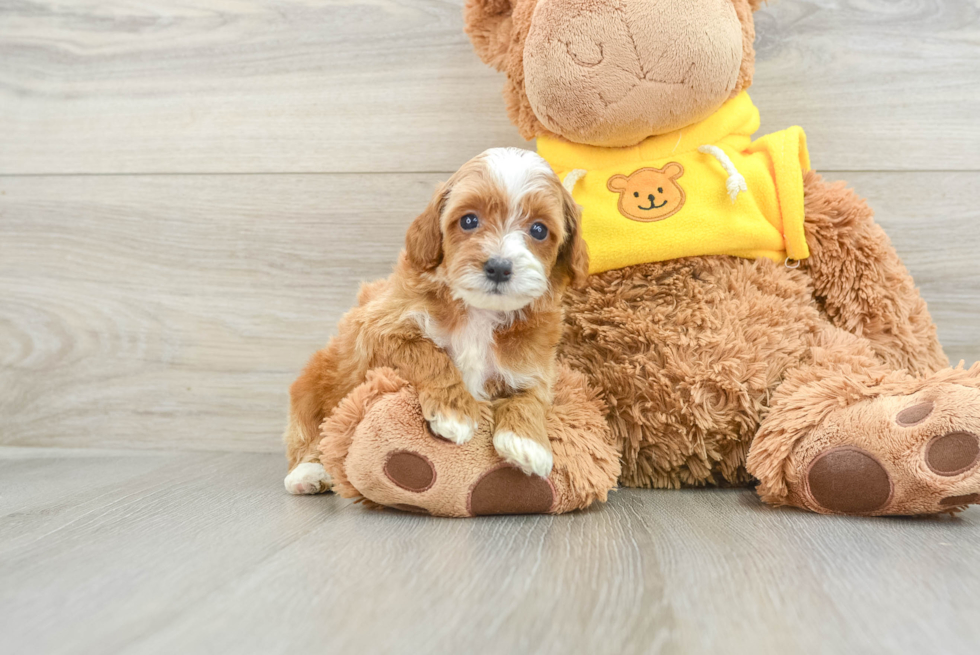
(953, 453)
(957, 501)
(410, 471)
(414, 509)
(506, 490)
(848, 480)
(915, 414)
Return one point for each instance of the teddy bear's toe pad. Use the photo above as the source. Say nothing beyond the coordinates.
(410, 471)
(953, 453)
(507, 490)
(849, 480)
(959, 501)
(915, 414)
(412, 509)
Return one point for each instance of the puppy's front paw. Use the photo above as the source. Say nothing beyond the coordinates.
(453, 414)
(456, 429)
(526, 454)
(307, 478)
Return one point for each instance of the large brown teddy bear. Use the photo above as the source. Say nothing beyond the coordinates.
(744, 319)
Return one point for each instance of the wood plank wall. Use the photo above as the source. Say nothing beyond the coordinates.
(190, 192)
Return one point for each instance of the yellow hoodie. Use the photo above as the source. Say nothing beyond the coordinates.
(672, 195)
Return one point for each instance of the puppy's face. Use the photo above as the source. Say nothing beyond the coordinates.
(501, 233)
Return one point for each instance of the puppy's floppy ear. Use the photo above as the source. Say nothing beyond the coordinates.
(488, 24)
(573, 256)
(423, 241)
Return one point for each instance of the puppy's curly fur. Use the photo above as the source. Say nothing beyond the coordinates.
(468, 342)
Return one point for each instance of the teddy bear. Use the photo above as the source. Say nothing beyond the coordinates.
(744, 320)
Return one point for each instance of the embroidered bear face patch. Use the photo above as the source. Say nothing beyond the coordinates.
(649, 194)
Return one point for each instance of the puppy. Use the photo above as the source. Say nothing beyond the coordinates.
(471, 315)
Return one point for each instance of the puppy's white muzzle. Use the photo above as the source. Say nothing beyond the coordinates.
(526, 283)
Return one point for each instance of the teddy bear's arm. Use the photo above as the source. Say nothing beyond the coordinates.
(860, 282)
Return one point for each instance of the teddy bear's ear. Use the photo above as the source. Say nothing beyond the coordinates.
(488, 24)
(423, 241)
(673, 170)
(617, 183)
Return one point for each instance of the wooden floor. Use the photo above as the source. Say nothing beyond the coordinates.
(189, 196)
(166, 552)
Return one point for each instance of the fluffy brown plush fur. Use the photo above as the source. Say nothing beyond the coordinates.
(689, 353)
(860, 284)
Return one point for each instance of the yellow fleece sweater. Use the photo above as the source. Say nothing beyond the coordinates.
(670, 196)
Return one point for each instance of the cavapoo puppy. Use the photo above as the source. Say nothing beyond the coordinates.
(471, 315)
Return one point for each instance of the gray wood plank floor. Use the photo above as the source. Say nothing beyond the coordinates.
(162, 552)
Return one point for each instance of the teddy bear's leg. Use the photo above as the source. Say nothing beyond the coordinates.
(849, 435)
(378, 448)
(861, 284)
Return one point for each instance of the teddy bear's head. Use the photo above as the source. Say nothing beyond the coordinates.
(613, 72)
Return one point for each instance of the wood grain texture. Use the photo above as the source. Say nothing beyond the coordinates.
(876, 84)
(178, 309)
(243, 86)
(393, 85)
(204, 553)
(174, 311)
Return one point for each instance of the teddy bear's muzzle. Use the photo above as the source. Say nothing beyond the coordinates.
(612, 73)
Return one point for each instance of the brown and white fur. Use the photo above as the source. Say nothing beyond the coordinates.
(462, 333)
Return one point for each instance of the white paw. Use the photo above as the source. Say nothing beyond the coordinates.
(307, 478)
(459, 431)
(527, 455)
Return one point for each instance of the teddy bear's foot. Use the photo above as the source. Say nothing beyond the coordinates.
(503, 489)
(377, 446)
(902, 454)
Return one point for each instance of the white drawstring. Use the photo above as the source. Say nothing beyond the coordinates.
(572, 178)
(735, 182)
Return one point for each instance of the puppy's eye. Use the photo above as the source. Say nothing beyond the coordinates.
(539, 231)
(636, 194)
(469, 222)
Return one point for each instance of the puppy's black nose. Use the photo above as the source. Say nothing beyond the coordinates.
(498, 270)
